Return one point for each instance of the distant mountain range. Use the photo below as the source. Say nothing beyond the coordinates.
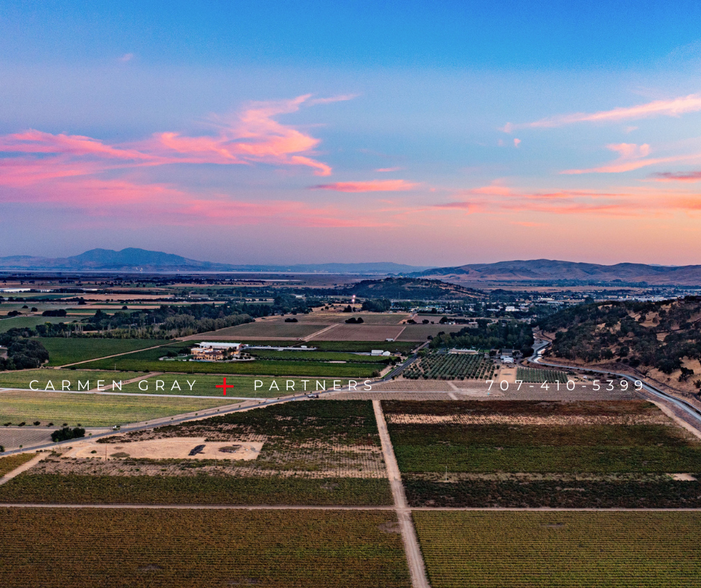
(142, 260)
(552, 271)
(535, 271)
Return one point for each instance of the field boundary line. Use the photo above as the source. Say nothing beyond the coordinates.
(319, 332)
(417, 568)
(29, 464)
(58, 367)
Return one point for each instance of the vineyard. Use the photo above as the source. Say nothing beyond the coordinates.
(11, 462)
(269, 549)
(538, 376)
(554, 491)
(450, 366)
(95, 489)
(517, 549)
(324, 452)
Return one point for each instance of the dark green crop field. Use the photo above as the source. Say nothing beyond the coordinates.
(518, 491)
(583, 549)
(148, 361)
(174, 549)
(87, 489)
(70, 350)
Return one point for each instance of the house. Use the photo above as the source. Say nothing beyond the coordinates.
(209, 351)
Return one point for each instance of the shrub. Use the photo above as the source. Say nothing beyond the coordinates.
(67, 433)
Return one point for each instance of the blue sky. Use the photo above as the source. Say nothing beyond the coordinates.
(429, 133)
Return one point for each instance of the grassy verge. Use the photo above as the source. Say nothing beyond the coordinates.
(161, 548)
(560, 549)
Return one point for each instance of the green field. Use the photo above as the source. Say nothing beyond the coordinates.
(349, 346)
(41, 378)
(30, 322)
(318, 356)
(537, 376)
(550, 449)
(148, 361)
(564, 448)
(518, 549)
(206, 385)
(11, 462)
(70, 350)
(173, 549)
(203, 489)
(92, 410)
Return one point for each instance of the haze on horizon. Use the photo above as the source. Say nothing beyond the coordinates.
(428, 134)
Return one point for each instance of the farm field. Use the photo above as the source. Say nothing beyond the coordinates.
(41, 378)
(267, 354)
(194, 489)
(537, 376)
(613, 549)
(69, 350)
(91, 410)
(11, 462)
(263, 330)
(450, 366)
(320, 452)
(271, 549)
(543, 454)
(148, 361)
(518, 442)
(30, 321)
(369, 318)
(362, 332)
(205, 385)
(422, 332)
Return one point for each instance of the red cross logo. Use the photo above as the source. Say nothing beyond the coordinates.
(225, 386)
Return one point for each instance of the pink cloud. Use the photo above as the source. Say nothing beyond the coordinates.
(517, 142)
(388, 169)
(253, 136)
(674, 107)
(126, 57)
(677, 176)
(631, 157)
(372, 186)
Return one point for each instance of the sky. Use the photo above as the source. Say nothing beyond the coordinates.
(426, 133)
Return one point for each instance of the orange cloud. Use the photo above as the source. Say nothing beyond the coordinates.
(673, 107)
(372, 186)
(630, 202)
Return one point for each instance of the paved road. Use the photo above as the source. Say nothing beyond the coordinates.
(417, 569)
(680, 408)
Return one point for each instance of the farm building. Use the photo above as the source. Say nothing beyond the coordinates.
(209, 351)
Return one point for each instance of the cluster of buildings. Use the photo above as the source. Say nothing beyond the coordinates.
(215, 351)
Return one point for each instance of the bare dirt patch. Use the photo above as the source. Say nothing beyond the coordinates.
(170, 448)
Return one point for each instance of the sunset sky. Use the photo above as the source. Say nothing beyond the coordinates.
(427, 133)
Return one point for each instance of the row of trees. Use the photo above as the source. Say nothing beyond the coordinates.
(508, 334)
(22, 353)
